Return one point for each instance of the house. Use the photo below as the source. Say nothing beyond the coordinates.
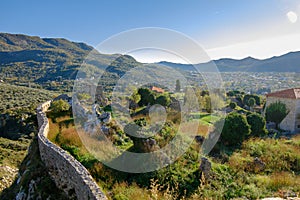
(291, 98)
(157, 89)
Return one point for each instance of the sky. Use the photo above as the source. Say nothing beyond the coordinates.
(231, 28)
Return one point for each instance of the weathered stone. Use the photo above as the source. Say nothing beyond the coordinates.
(259, 165)
(21, 196)
(205, 167)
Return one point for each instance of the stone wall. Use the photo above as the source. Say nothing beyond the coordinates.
(68, 174)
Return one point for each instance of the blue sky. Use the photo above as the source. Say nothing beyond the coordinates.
(224, 28)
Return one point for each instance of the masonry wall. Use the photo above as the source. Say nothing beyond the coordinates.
(68, 174)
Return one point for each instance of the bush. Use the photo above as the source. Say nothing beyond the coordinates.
(163, 100)
(235, 129)
(249, 96)
(251, 102)
(60, 106)
(147, 97)
(258, 124)
(232, 105)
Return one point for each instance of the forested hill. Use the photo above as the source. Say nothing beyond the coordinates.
(43, 61)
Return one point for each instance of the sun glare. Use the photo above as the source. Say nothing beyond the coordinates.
(292, 17)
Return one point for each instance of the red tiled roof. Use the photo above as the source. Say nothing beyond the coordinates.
(293, 93)
(157, 89)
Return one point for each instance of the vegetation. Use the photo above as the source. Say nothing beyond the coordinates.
(257, 124)
(18, 144)
(232, 105)
(178, 86)
(238, 176)
(60, 106)
(276, 112)
(249, 102)
(246, 163)
(147, 97)
(243, 163)
(46, 62)
(17, 99)
(235, 130)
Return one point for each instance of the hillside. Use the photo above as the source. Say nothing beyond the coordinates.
(21, 169)
(43, 60)
(289, 62)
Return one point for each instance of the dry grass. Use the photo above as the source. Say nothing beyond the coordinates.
(70, 136)
(203, 130)
(98, 146)
(281, 180)
(53, 130)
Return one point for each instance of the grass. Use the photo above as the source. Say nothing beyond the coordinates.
(19, 99)
(18, 144)
(13, 152)
(278, 155)
(209, 119)
(205, 118)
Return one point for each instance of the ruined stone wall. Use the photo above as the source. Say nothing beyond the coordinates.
(68, 174)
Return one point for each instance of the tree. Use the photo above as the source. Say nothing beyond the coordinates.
(163, 100)
(235, 130)
(146, 97)
(276, 112)
(178, 86)
(251, 103)
(60, 106)
(136, 97)
(232, 105)
(204, 93)
(207, 104)
(257, 123)
(191, 101)
(248, 96)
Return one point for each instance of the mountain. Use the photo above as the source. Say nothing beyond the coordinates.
(289, 62)
(53, 63)
(42, 60)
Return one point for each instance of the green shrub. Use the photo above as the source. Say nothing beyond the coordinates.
(232, 105)
(258, 124)
(235, 129)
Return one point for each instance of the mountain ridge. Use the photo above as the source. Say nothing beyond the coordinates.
(288, 62)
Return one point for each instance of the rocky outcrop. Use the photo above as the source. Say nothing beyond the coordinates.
(205, 167)
(67, 173)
